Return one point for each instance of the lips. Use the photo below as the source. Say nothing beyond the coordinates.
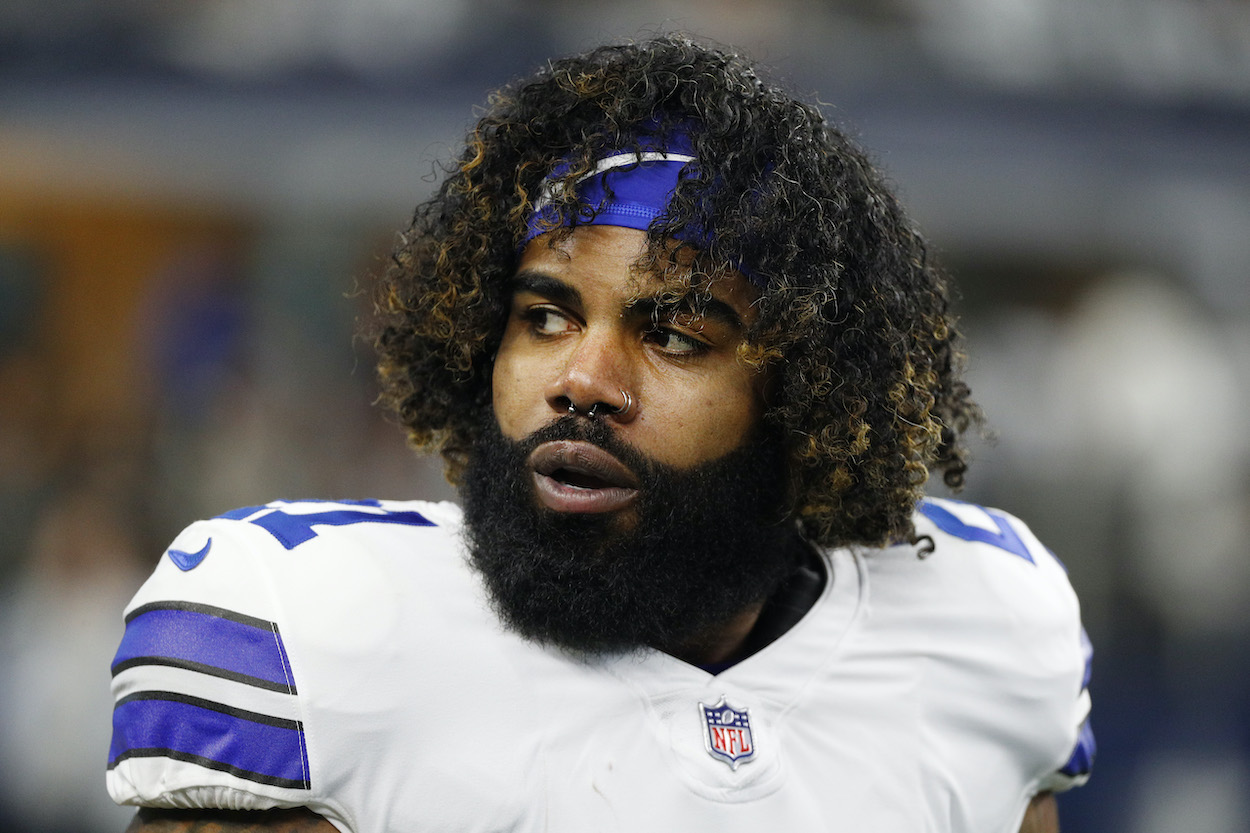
(574, 476)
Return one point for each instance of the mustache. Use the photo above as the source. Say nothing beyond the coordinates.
(597, 433)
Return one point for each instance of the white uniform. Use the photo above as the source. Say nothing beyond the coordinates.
(343, 657)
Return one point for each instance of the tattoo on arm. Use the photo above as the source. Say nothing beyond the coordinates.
(299, 820)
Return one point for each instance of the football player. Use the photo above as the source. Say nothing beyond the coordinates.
(690, 366)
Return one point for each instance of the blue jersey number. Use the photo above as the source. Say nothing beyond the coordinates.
(291, 530)
(1005, 539)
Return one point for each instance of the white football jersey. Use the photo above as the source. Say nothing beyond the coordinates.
(343, 656)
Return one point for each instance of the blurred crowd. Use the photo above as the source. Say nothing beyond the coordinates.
(1121, 421)
(173, 349)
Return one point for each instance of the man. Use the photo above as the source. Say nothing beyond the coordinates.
(690, 368)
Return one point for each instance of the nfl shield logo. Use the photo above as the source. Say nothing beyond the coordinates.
(727, 733)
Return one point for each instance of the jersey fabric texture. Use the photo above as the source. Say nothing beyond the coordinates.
(344, 656)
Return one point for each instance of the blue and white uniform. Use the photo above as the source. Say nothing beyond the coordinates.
(344, 657)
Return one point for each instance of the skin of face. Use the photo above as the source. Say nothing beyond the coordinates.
(582, 329)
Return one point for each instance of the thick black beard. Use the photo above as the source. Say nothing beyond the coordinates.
(697, 548)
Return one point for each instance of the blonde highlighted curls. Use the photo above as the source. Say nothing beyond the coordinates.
(854, 326)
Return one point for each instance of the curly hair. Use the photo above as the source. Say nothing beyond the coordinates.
(854, 325)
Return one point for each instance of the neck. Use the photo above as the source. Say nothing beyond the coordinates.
(759, 624)
(722, 644)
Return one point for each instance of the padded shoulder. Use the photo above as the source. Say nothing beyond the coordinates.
(1040, 605)
(994, 612)
(209, 710)
(992, 565)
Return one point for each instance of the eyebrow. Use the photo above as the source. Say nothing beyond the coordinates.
(540, 283)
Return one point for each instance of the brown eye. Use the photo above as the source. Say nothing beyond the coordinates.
(675, 342)
(544, 320)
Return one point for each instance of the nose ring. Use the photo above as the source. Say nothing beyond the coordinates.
(628, 403)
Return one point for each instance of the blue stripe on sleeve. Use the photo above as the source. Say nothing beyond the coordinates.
(206, 639)
(255, 747)
(1082, 760)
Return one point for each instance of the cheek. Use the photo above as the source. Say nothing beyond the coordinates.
(707, 423)
(729, 421)
(509, 383)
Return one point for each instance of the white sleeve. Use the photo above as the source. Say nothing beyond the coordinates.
(1080, 763)
(207, 710)
(1040, 618)
(208, 706)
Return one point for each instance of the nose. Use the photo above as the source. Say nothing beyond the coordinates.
(596, 380)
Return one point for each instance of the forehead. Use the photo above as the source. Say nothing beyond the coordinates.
(613, 258)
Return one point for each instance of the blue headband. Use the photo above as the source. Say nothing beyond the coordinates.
(640, 184)
(625, 188)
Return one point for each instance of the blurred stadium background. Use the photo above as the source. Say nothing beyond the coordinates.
(192, 194)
